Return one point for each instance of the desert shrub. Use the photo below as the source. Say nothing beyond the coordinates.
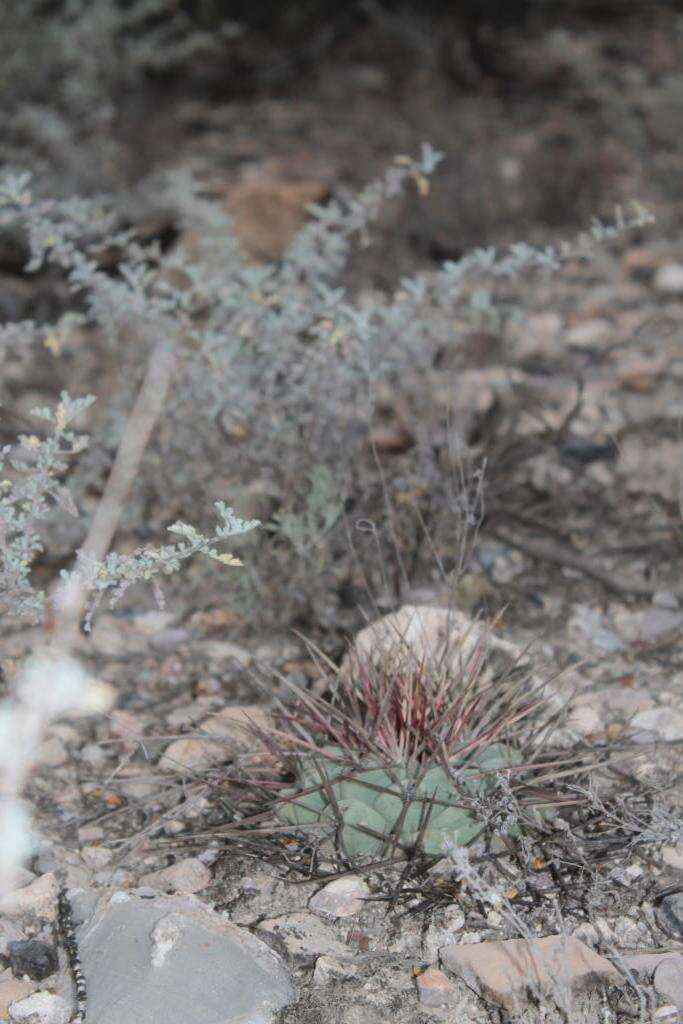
(277, 374)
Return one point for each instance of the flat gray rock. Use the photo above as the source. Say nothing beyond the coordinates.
(171, 959)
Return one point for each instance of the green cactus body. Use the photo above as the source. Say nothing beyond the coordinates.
(374, 805)
(477, 774)
(357, 817)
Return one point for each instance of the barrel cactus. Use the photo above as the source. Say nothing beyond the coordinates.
(376, 806)
(399, 753)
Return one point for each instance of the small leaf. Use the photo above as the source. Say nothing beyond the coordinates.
(225, 559)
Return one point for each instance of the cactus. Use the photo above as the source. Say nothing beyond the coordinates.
(399, 756)
(376, 805)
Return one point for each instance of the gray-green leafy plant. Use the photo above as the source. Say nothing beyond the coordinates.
(278, 371)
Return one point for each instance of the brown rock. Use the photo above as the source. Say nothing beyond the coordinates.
(266, 214)
(641, 376)
(434, 988)
(641, 263)
(390, 439)
(214, 620)
(505, 972)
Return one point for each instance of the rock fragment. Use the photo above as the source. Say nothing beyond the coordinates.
(506, 972)
(169, 958)
(186, 876)
(341, 897)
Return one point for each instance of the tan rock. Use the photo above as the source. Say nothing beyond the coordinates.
(96, 857)
(590, 333)
(52, 753)
(661, 723)
(585, 720)
(431, 636)
(228, 733)
(186, 876)
(342, 897)
(136, 782)
(11, 991)
(506, 972)
(41, 1006)
(127, 726)
(539, 335)
(223, 650)
(673, 856)
(668, 1012)
(38, 897)
(90, 833)
(116, 635)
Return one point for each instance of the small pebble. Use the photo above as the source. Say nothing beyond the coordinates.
(188, 875)
(341, 897)
(52, 753)
(668, 279)
(589, 333)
